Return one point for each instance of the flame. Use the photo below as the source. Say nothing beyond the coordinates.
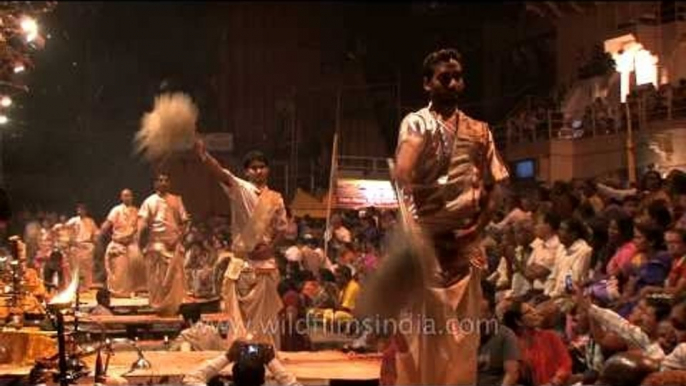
(67, 296)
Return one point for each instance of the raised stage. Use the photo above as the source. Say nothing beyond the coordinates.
(316, 368)
(169, 367)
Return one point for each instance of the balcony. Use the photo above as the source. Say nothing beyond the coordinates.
(593, 141)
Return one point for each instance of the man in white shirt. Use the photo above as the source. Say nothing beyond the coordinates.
(258, 221)
(83, 234)
(449, 170)
(572, 261)
(545, 249)
(164, 216)
(123, 248)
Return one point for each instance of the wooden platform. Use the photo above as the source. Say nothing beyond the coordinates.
(107, 320)
(137, 303)
(309, 367)
(306, 366)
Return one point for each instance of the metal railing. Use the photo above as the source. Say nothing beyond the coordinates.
(593, 120)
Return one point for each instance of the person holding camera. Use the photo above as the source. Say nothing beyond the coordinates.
(250, 362)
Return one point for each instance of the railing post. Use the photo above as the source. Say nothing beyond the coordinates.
(550, 125)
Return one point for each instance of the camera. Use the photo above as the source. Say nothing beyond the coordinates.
(261, 353)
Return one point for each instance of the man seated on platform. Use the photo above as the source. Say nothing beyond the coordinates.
(249, 361)
(198, 335)
(103, 299)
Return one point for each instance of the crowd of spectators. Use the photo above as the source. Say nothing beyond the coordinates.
(589, 282)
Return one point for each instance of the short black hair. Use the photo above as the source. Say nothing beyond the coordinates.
(648, 174)
(102, 296)
(659, 213)
(191, 313)
(252, 156)
(653, 233)
(344, 271)
(326, 275)
(625, 224)
(488, 291)
(577, 227)
(248, 373)
(513, 315)
(662, 308)
(552, 219)
(442, 55)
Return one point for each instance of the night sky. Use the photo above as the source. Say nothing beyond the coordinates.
(97, 75)
(70, 137)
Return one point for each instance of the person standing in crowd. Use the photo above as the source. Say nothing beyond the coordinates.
(123, 248)
(164, 216)
(449, 170)
(83, 236)
(258, 223)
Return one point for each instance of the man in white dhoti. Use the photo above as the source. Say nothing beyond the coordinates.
(258, 219)
(122, 252)
(83, 236)
(448, 168)
(164, 216)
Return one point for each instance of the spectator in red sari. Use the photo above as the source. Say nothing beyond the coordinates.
(545, 358)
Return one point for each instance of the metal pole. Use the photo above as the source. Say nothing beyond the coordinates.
(332, 177)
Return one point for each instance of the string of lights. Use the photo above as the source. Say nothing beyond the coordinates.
(20, 38)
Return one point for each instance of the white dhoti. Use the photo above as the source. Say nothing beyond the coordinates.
(166, 282)
(81, 255)
(444, 337)
(252, 301)
(138, 275)
(118, 257)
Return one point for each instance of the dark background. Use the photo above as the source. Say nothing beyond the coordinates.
(70, 138)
